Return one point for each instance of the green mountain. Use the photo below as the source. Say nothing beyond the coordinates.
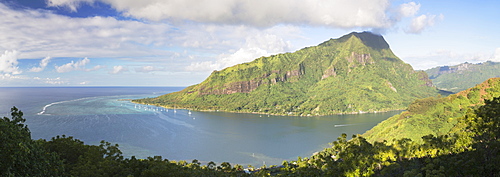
(433, 115)
(355, 73)
(463, 76)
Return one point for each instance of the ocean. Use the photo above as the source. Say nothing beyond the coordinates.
(92, 114)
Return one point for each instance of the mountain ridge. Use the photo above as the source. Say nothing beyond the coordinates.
(433, 115)
(355, 73)
(463, 76)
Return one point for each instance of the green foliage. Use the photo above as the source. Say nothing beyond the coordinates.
(66, 156)
(434, 115)
(485, 121)
(21, 156)
(355, 73)
(472, 149)
(463, 76)
(484, 128)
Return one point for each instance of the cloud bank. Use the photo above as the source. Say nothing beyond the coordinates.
(262, 13)
(347, 14)
(38, 33)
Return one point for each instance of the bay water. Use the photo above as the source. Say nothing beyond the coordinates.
(92, 114)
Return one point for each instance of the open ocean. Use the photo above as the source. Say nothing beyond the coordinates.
(93, 114)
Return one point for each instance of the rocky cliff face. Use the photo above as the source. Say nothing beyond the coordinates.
(273, 77)
(360, 58)
(355, 73)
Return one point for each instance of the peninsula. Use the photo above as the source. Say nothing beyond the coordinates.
(355, 73)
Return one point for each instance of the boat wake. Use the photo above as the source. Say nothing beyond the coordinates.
(59, 102)
(342, 125)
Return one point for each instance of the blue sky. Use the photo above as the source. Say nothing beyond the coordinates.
(179, 43)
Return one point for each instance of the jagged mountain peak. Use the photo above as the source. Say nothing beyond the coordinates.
(369, 39)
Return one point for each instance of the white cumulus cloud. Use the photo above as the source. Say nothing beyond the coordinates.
(43, 63)
(72, 66)
(8, 63)
(255, 47)
(418, 24)
(118, 69)
(408, 9)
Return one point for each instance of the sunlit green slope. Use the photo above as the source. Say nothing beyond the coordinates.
(355, 73)
(463, 76)
(433, 115)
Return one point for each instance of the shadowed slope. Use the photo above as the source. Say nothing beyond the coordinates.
(433, 115)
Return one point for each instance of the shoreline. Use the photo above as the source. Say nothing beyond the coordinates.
(268, 114)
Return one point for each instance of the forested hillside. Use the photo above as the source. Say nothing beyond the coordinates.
(352, 74)
(433, 115)
(463, 76)
(472, 149)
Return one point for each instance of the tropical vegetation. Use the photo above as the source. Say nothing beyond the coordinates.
(353, 74)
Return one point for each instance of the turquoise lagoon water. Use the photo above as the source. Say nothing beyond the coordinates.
(101, 113)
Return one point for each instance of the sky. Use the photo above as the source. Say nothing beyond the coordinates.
(180, 42)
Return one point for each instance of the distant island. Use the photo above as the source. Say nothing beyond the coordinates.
(463, 76)
(356, 73)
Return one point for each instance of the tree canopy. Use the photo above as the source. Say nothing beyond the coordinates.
(471, 148)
